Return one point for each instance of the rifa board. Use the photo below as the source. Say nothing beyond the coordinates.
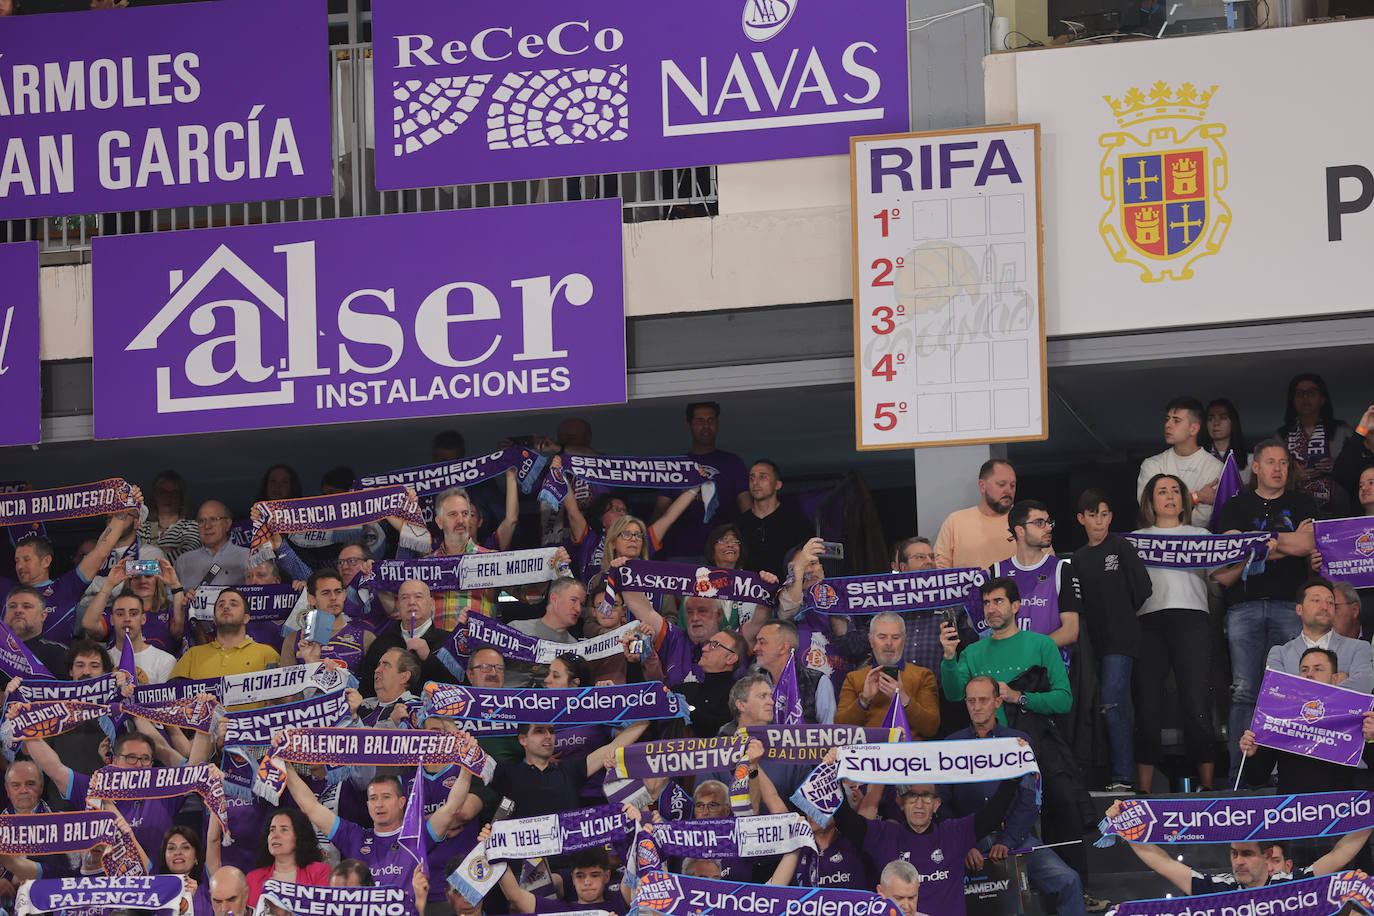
(949, 324)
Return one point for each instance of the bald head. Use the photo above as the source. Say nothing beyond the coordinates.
(229, 891)
(414, 602)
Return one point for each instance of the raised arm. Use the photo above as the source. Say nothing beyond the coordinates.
(793, 590)
(769, 799)
(602, 756)
(660, 525)
(638, 604)
(505, 532)
(1346, 848)
(115, 529)
(93, 621)
(1161, 862)
(452, 810)
(323, 819)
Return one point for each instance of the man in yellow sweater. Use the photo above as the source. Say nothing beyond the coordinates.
(866, 693)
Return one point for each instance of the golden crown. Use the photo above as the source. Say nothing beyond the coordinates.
(1147, 217)
(1184, 167)
(1161, 101)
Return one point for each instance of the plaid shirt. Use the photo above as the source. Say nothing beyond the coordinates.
(449, 604)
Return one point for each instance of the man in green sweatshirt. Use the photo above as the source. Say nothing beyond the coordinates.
(1003, 654)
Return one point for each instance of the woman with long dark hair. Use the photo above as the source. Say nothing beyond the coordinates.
(289, 851)
(1314, 437)
(182, 854)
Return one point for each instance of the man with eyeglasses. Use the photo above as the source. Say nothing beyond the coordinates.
(707, 685)
(770, 526)
(411, 628)
(216, 561)
(1050, 595)
(487, 668)
(917, 554)
(684, 654)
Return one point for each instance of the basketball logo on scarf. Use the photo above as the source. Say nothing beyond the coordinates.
(1364, 544)
(454, 706)
(658, 891)
(823, 596)
(710, 581)
(1134, 822)
(1351, 887)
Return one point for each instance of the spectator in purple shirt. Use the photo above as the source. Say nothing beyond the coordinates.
(686, 542)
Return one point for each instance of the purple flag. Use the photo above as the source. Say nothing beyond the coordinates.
(582, 87)
(412, 837)
(177, 117)
(787, 707)
(130, 668)
(20, 389)
(674, 804)
(1228, 485)
(896, 717)
(374, 318)
(1347, 549)
(15, 658)
(1310, 718)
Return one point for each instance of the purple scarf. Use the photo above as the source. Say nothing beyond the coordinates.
(125, 784)
(81, 501)
(1322, 896)
(906, 591)
(255, 727)
(639, 473)
(309, 900)
(1307, 450)
(611, 705)
(467, 571)
(654, 578)
(339, 510)
(428, 480)
(678, 895)
(67, 832)
(679, 757)
(1199, 551)
(516, 646)
(1258, 819)
(147, 892)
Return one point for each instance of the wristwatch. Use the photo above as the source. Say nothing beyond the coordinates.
(1021, 701)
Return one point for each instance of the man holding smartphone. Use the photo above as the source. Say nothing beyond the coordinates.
(868, 692)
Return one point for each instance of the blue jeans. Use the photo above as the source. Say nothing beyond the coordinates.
(1252, 629)
(1049, 875)
(1114, 688)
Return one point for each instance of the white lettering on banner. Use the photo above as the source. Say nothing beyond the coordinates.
(498, 43)
(937, 761)
(781, 97)
(238, 357)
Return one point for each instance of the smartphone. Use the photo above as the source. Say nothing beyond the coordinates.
(140, 567)
(832, 550)
(637, 646)
(951, 617)
(892, 672)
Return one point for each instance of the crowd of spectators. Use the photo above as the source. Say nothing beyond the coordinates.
(1053, 642)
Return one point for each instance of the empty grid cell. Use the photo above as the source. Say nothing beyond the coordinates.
(929, 219)
(932, 366)
(971, 363)
(1009, 362)
(1009, 262)
(924, 268)
(1012, 408)
(1008, 214)
(972, 410)
(969, 217)
(934, 413)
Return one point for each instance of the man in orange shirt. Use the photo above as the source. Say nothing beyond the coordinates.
(866, 693)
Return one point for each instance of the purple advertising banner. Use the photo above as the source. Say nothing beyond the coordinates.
(1310, 718)
(1347, 549)
(492, 91)
(135, 109)
(20, 375)
(384, 317)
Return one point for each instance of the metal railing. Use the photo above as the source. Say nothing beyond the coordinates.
(648, 195)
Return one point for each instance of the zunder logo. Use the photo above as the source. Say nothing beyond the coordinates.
(1162, 175)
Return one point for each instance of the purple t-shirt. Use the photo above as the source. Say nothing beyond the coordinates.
(346, 646)
(59, 604)
(247, 821)
(150, 817)
(687, 537)
(679, 656)
(842, 866)
(938, 855)
(381, 852)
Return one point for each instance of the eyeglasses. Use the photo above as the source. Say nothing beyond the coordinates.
(352, 561)
(490, 669)
(136, 759)
(924, 798)
(631, 535)
(1041, 522)
(709, 806)
(721, 646)
(213, 519)
(728, 542)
